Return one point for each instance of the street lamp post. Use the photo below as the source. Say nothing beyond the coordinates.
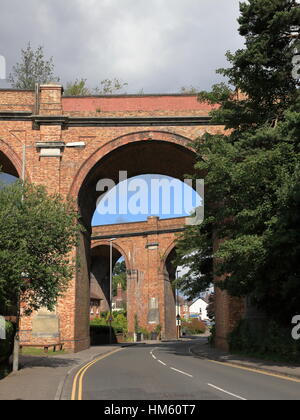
(177, 306)
(24, 277)
(110, 287)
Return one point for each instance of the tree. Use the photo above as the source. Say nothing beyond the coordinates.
(33, 68)
(107, 87)
(189, 90)
(110, 87)
(119, 277)
(253, 172)
(77, 88)
(37, 234)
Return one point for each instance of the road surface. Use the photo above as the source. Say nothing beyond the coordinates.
(170, 371)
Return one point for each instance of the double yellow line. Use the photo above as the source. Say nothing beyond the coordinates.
(78, 380)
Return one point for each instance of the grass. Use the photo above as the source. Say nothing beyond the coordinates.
(38, 351)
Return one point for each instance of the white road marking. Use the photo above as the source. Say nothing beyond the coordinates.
(226, 392)
(164, 364)
(183, 373)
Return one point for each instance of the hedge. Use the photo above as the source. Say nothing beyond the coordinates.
(6, 346)
(265, 339)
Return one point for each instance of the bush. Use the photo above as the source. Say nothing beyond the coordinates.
(212, 337)
(265, 339)
(99, 328)
(146, 333)
(6, 346)
(100, 334)
(193, 326)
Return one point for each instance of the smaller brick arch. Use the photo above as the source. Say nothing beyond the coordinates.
(118, 142)
(13, 158)
(164, 258)
(122, 251)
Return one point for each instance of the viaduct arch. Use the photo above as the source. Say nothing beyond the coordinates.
(136, 133)
(146, 248)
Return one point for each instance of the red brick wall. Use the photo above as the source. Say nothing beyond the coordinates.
(136, 105)
(17, 100)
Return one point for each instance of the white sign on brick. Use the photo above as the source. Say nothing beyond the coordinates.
(2, 328)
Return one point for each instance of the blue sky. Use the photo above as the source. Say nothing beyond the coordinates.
(141, 198)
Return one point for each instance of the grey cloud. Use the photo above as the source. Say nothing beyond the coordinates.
(157, 45)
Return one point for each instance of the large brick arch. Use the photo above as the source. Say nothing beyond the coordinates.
(121, 141)
(139, 153)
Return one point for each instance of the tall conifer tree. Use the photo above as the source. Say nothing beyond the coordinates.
(253, 172)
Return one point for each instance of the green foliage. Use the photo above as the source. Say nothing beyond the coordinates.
(77, 88)
(37, 234)
(189, 90)
(146, 333)
(266, 340)
(99, 328)
(263, 70)
(119, 323)
(107, 87)
(212, 337)
(119, 277)
(158, 329)
(33, 68)
(253, 172)
(193, 327)
(99, 334)
(110, 87)
(6, 346)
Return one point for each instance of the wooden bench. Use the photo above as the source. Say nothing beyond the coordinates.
(46, 346)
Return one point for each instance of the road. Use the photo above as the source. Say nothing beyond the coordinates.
(170, 371)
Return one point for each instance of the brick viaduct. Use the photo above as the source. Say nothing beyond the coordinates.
(148, 249)
(140, 134)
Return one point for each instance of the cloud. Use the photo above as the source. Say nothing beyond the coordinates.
(155, 45)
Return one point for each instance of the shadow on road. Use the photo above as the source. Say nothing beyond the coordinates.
(51, 362)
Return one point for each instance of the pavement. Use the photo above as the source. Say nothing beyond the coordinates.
(43, 378)
(205, 351)
(51, 377)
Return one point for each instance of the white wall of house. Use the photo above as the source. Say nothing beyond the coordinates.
(199, 308)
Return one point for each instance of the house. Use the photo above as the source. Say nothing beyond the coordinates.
(96, 297)
(198, 308)
(183, 308)
(119, 302)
